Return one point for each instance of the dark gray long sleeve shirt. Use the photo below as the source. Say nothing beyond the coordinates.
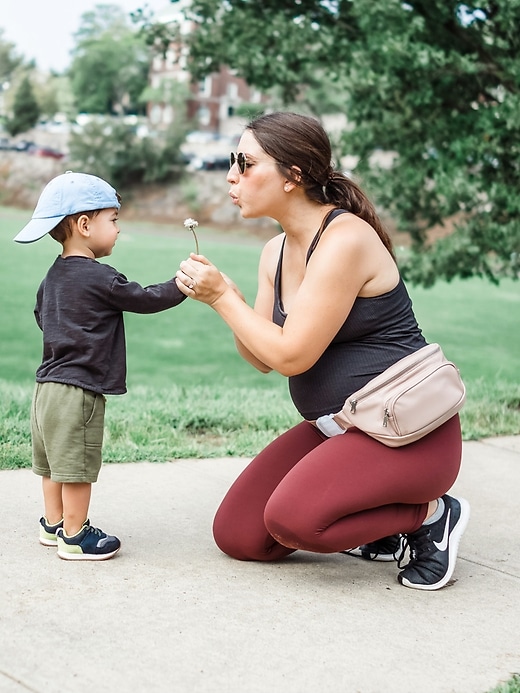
(79, 308)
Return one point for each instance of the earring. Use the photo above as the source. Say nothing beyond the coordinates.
(286, 187)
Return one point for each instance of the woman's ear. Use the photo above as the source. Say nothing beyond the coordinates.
(293, 182)
(296, 178)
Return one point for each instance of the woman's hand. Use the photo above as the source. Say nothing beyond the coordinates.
(199, 279)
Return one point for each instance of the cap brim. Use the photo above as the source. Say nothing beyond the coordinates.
(36, 229)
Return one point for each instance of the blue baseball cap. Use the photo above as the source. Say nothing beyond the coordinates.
(67, 194)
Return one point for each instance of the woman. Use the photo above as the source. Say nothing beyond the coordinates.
(331, 313)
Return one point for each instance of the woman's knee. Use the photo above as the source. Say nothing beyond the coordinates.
(227, 537)
(244, 541)
(289, 526)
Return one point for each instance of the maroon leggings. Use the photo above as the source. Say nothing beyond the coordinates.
(306, 491)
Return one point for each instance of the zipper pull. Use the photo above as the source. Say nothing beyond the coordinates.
(353, 405)
(386, 417)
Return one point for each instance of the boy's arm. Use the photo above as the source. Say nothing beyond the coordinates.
(132, 297)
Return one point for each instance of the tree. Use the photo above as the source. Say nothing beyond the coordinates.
(110, 148)
(437, 82)
(9, 60)
(110, 63)
(25, 109)
(10, 63)
(51, 91)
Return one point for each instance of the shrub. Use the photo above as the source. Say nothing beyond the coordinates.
(111, 149)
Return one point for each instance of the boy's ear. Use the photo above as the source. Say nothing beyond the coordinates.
(82, 223)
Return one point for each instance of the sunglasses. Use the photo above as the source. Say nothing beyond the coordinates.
(238, 159)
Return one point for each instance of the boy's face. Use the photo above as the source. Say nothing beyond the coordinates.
(103, 232)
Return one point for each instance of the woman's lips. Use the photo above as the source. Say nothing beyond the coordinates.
(234, 198)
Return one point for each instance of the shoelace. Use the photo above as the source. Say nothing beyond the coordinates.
(392, 545)
(418, 543)
(389, 546)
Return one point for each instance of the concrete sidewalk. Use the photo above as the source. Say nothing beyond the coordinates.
(172, 614)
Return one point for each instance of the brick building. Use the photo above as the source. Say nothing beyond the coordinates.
(210, 104)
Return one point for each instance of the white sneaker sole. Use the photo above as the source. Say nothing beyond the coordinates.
(67, 556)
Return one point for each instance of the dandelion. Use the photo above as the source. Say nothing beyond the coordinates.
(191, 224)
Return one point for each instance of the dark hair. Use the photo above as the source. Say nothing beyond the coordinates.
(302, 150)
(63, 230)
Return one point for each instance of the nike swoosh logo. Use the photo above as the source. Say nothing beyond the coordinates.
(442, 545)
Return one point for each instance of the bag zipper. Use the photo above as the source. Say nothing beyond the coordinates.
(354, 402)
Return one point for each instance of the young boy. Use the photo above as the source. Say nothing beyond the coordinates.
(79, 309)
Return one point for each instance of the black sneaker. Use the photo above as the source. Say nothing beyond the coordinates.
(433, 548)
(89, 544)
(385, 549)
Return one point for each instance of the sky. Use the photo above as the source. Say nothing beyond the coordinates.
(43, 29)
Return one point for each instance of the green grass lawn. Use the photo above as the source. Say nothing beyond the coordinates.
(511, 686)
(190, 394)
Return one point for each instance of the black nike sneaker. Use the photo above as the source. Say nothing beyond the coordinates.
(433, 548)
(385, 549)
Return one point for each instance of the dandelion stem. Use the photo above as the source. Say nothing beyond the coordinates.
(191, 224)
(196, 239)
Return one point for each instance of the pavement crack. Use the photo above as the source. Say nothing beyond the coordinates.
(18, 681)
(489, 567)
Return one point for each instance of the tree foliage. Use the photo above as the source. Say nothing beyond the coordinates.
(9, 60)
(110, 148)
(109, 70)
(51, 91)
(25, 109)
(437, 82)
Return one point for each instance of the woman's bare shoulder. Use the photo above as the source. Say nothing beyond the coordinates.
(275, 243)
(353, 247)
(350, 233)
(271, 250)
(269, 262)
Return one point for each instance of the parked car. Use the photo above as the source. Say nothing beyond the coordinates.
(210, 163)
(22, 146)
(46, 152)
(201, 137)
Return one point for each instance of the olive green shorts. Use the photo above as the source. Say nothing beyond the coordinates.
(67, 432)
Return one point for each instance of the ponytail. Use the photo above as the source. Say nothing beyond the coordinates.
(345, 194)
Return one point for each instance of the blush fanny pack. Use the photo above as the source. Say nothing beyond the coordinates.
(410, 399)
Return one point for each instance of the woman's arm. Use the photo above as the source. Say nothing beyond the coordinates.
(349, 259)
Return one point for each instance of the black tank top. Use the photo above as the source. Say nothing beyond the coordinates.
(376, 333)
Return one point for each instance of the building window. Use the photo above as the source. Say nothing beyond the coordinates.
(232, 90)
(155, 114)
(168, 114)
(204, 116)
(205, 87)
